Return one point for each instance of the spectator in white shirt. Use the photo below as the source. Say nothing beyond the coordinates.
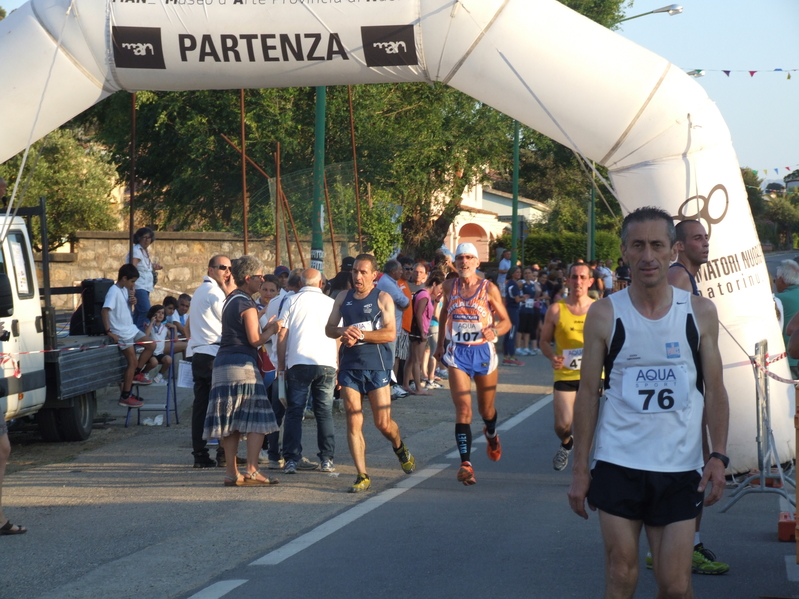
(204, 328)
(119, 326)
(309, 358)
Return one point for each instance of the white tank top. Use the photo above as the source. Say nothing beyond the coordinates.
(651, 417)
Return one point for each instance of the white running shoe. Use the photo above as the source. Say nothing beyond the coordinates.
(561, 459)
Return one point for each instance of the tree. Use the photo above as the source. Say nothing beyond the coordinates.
(76, 178)
(785, 216)
(3, 13)
(753, 192)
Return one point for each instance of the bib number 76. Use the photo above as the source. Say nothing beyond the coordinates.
(665, 398)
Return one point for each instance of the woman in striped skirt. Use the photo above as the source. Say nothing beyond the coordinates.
(238, 403)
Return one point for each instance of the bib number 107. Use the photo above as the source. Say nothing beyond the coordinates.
(467, 336)
(665, 398)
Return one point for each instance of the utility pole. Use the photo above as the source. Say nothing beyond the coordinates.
(514, 228)
(318, 224)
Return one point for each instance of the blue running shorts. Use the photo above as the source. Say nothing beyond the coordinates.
(364, 381)
(474, 360)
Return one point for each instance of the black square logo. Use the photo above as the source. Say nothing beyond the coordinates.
(389, 45)
(138, 47)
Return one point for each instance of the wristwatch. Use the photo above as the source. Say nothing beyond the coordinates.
(363, 336)
(720, 456)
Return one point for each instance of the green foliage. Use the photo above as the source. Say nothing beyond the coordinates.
(76, 178)
(3, 13)
(753, 192)
(569, 246)
(381, 228)
(415, 141)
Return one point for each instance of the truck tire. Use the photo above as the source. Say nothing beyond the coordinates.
(76, 422)
(47, 420)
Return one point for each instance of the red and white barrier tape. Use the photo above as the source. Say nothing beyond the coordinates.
(770, 374)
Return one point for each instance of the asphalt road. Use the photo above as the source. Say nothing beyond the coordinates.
(511, 535)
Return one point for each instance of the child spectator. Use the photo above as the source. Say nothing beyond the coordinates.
(118, 323)
(156, 329)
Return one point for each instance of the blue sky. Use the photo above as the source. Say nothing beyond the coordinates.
(735, 35)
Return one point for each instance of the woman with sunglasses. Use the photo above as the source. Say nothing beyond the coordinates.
(238, 403)
(143, 239)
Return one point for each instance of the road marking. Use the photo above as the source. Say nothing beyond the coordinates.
(327, 528)
(218, 589)
(511, 422)
(792, 568)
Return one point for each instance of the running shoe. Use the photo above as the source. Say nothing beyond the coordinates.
(406, 460)
(306, 465)
(704, 562)
(362, 483)
(441, 373)
(433, 385)
(290, 467)
(141, 379)
(466, 474)
(512, 362)
(158, 380)
(520, 351)
(263, 458)
(327, 466)
(130, 402)
(493, 447)
(561, 459)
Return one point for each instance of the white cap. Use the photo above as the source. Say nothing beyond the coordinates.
(466, 248)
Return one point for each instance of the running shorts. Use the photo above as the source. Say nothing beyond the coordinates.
(364, 381)
(480, 359)
(656, 498)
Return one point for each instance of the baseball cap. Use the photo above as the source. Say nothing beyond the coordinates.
(347, 263)
(281, 270)
(466, 248)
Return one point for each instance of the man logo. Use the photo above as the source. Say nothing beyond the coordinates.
(389, 45)
(138, 47)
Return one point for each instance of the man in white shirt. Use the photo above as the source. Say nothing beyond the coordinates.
(309, 358)
(204, 329)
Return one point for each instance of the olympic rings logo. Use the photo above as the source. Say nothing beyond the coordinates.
(703, 213)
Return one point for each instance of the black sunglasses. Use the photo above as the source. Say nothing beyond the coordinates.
(222, 267)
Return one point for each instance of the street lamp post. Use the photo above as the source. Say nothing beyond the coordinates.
(671, 10)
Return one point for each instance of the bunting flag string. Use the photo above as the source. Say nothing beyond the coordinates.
(703, 72)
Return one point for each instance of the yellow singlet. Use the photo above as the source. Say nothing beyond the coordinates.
(569, 337)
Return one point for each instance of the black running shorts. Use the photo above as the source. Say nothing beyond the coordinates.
(656, 498)
(572, 386)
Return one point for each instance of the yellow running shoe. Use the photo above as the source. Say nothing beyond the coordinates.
(362, 483)
(407, 461)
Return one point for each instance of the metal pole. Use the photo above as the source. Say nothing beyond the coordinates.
(318, 217)
(277, 206)
(132, 184)
(293, 227)
(244, 205)
(514, 228)
(355, 167)
(592, 220)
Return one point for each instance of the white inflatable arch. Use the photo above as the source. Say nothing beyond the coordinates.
(662, 139)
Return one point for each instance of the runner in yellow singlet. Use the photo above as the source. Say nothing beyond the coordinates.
(564, 322)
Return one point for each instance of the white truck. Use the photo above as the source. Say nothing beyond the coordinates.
(49, 377)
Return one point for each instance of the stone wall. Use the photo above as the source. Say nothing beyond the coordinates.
(184, 256)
